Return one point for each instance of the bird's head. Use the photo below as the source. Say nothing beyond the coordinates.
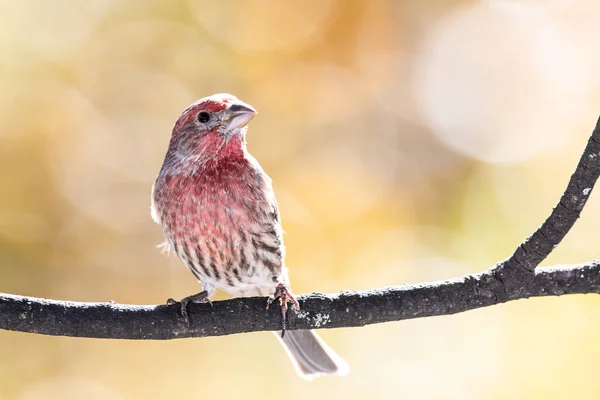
(212, 126)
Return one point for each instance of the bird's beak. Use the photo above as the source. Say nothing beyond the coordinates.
(238, 115)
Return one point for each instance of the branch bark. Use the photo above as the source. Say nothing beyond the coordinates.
(511, 279)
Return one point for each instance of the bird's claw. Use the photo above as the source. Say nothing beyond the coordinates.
(284, 295)
(197, 298)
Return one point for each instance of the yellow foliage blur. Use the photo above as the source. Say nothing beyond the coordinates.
(408, 141)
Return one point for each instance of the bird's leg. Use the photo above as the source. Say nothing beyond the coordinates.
(201, 297)
(284, 295)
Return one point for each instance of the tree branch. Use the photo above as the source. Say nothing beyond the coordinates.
(348, 309)
(511, 279)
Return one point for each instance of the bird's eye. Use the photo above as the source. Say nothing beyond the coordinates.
(203, 117)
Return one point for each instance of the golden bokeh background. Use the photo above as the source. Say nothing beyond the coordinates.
(408, 141)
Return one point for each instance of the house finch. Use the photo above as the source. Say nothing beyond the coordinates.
(218, 212)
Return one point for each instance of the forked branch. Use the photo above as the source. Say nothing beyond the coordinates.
(517, 277)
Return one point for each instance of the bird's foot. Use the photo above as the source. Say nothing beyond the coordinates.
(284, 295)
(201, 297)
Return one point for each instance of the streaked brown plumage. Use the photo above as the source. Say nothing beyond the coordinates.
(218, 212)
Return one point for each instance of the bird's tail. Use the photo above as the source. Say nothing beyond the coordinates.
(311, 356)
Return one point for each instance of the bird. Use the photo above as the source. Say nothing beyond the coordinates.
(218, 213)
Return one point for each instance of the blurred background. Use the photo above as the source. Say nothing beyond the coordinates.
(408, 141)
